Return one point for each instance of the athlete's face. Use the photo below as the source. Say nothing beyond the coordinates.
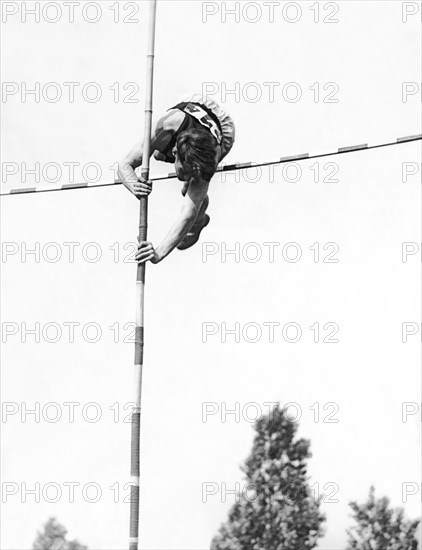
(183, 173)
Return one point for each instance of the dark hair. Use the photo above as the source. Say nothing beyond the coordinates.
(197, 148)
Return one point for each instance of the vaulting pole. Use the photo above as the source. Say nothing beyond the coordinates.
(140, 287)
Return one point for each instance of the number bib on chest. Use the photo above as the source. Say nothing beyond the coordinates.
(204, 118)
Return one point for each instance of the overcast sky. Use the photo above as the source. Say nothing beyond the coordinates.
(301, 85)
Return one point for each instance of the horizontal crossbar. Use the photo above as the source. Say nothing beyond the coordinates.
(226, 168)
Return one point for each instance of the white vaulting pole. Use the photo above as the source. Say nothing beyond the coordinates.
(140, 288)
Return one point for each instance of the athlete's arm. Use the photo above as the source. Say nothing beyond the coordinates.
(162, 133)
(192, 202)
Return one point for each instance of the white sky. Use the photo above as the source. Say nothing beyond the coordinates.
(369, 293)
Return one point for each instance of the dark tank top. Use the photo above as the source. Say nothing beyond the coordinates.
(197, 116)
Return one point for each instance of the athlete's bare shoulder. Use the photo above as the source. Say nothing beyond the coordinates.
(171, 121)
(166, 127)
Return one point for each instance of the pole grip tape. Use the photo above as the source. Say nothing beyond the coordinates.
(134, 512)
(139, 345)
(134, 448)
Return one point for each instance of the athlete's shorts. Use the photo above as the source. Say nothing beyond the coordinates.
(226, 122)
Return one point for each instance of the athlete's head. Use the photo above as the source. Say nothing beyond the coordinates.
(196, 154)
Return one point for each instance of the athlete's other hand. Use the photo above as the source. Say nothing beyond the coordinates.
(146, 253)
(142, 188)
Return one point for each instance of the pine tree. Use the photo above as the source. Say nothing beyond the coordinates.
(279, 512)
(54, 538)
(380, 527)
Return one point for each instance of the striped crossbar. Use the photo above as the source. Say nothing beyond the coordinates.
(224, 168)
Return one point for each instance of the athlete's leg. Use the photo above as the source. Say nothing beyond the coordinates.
(201, 221)
(201, 214)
